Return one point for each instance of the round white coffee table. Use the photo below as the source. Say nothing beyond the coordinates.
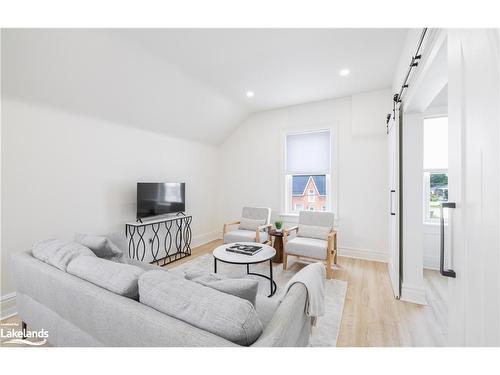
(265, 255)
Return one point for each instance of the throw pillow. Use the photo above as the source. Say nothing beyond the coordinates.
(314, 231)
(242, 288)
(100, 245)
(251, 224)
(118, 278)
(222, 314)
(59, 253)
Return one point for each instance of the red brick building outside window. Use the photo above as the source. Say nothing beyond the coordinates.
(309, 193)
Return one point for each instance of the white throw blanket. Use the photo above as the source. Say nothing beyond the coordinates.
(313, 278)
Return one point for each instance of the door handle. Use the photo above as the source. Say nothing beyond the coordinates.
(392, 211)
(447, 272)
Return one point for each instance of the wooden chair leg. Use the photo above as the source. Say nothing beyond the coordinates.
(285, 259)
(335, 250)
(329, 270)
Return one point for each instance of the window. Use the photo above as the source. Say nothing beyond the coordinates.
(298, 207)
(435, 167)
(307, 171)
(311, 197)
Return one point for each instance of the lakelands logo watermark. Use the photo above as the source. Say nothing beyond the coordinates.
(23, 337)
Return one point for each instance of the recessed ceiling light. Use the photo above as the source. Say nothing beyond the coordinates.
(250, 94)
(344, 72)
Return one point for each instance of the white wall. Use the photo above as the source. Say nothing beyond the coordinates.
(64, 173)
(431, 246)
(410, 45)
(412, 289)
(474, 170)
(252, 166)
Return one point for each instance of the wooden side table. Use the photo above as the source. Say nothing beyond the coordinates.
(278, 245)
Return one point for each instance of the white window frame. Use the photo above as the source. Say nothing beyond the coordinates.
(332, 189)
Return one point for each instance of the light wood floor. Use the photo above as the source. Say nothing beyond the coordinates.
(372, 317)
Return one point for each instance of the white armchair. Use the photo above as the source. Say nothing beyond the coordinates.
(316, 239)
(253, 226)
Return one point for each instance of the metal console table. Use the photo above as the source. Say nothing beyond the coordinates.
(176, 238)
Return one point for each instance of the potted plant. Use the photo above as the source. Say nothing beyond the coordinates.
(278, 224)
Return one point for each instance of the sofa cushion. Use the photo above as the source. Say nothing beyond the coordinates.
(222, 314)
(102, 246)
(314, 231)
(240, 235)
(307, 247)
(266, 307)
(119, 239)
(118, 278)
(242, 288)
(144, 265)
(59, 253)
(251, 224)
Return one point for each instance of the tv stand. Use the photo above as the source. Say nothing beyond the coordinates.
(175, 238)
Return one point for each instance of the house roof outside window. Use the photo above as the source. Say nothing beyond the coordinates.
(299, 184)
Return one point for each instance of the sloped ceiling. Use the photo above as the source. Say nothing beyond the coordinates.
(441, 100)
(191, 83)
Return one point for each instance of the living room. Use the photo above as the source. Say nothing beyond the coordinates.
(271, 172)
(104, 160)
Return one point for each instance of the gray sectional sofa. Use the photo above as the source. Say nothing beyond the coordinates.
(76, 312)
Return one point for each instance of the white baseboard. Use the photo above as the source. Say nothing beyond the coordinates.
(8, 305)
(366, 254)
(414, 294)
(431, 263)
(205, 238)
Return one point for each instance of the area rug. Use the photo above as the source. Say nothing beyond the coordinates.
(326, 331)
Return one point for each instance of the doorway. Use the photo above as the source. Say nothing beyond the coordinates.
(435, 193)
(464, 296)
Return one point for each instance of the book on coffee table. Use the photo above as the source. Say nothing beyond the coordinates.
(244, 249)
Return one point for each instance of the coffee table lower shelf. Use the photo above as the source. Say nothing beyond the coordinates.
(272, 283)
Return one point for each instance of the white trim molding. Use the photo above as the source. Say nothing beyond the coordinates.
(204, 238)
(365, 254)
(413, 294)
(8, 306)
(431, 263)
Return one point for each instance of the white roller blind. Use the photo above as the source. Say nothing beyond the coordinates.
(308, 153)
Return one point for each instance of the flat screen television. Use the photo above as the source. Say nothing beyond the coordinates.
(159, 198)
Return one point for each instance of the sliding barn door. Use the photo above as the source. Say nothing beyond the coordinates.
(474, 168)
(394, 199)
